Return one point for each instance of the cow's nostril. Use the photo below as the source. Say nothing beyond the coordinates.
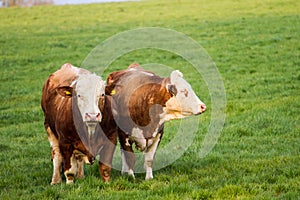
(203, 108)
(93, 116)
(98, 117)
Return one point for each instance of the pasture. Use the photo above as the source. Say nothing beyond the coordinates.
(256, 47)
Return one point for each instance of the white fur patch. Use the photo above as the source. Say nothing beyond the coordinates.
(162, 118)
(73, 83)
(138, 137)
(73, 170)
(89, 89)
(127, 142)
(185, 102)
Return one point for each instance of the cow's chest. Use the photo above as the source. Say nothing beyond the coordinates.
(144, 136)
(141, 142)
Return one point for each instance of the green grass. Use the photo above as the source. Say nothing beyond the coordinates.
(255, 45)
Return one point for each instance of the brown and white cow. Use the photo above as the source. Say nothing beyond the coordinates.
(144, 101)
(71, 100)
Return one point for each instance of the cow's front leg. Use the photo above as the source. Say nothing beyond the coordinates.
(70, 164)
(106, 156)
(57, 162)
(149, 157)
(56, 157)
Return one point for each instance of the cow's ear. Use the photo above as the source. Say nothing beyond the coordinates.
(172, 89)
(65, 91)
(175, 75)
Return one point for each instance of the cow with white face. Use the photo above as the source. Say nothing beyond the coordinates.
(70, 102)
(184, 102)
(88, 91)
(144, 101)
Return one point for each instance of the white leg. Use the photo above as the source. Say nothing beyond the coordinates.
(56, 157)
(57, 162)
(125, 168)
(131, 173)
(71, 173)
(149, 157)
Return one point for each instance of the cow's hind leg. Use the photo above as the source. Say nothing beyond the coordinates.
(56, 157)
(149, 157)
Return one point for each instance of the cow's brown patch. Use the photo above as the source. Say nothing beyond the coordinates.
(185, 92)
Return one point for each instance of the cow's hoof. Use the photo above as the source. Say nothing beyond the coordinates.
(70, 178)
(69, 182)
(80, 176)
(106, 179)
(131, 174)
(55, 181)
(148, 178)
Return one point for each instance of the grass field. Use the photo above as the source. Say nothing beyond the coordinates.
(256, 47)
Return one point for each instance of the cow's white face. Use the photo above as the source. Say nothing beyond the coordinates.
(89, 89)
(183, 102)
(86, 92)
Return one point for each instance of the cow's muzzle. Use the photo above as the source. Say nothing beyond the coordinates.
(202, 109)
(93, 117)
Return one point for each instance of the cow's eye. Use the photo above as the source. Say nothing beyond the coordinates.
(78, 95)
(100, 96)
(172, 94)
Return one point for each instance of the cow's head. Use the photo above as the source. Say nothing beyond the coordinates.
(183, 102)
(86, 92)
